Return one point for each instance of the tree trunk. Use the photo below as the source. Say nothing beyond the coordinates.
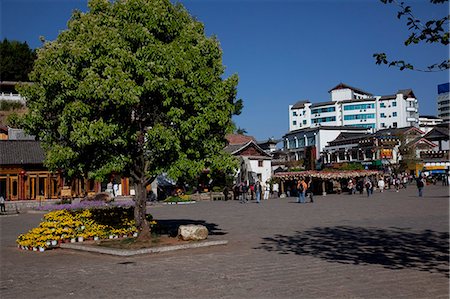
(140, 211)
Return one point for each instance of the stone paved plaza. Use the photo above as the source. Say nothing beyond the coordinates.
(392, 245)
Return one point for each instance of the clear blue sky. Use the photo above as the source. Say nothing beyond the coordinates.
(283, 51)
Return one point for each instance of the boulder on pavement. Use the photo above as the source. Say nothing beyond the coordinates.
(192, 232)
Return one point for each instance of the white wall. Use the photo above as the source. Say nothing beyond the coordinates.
(265, 170)
(341, 94)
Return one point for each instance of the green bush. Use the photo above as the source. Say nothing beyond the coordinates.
(181, 198)
(10, 105)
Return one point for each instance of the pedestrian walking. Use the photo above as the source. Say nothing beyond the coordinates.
(381, 184)
(368, 186)
(243, 190)
(266, 190)
(2, 204)
(258, 191)
(275, 190)
(420, 185)
(309, 191)
(350, 186)
(301, 188)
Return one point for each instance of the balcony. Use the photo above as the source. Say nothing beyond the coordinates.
(435, 155)
(411, 100)
(7, 96)
(412, 119)
(411, 109)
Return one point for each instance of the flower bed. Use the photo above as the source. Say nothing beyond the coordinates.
(178, 199)
(86, 205)
(78, 225)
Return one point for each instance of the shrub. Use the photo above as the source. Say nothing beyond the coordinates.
(86, 223)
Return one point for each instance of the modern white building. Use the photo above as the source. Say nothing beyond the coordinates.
(428, 122)
(307, 144)
(350, 106)
(443, 101)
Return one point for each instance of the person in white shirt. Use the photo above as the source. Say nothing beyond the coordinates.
(266, 190)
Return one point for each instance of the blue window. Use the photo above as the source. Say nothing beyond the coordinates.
(394, 114)
(382, 115)
(394, 104)
(359, 116)
(359, 107)
(323, 119)
(294, 113)
(382, 105)
(323, 110)
(304, 122)
(294, 123)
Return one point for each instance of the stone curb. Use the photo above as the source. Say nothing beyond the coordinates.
(124, 252)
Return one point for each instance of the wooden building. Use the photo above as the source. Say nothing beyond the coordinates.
(23, 175)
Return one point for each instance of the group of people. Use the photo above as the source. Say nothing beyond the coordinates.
(399, 181)
(244, 191)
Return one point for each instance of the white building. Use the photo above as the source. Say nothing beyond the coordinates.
(255, 163)
(443, 101)
(350, 106)
(308, 143)
(428, 122)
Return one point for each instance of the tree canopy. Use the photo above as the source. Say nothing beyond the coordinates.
(16, 60)
(431, 32)
(133, 87)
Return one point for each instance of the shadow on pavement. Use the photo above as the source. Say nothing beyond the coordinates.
(170, 226)
(392, 248)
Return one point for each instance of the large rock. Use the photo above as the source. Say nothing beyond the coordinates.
(192, 232)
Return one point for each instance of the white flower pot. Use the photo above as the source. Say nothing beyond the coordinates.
(95, 238)
(80, 239)
(124, 236)
(35, 249)
(41, 249)
(48, 243)
(54, 242)
(111, 236)
(73, 240)
(116, 237)
(135, 235)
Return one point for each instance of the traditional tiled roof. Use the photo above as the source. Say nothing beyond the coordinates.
(397, 131)
(406, 92)
(321, 127)
(415, 141)
(343, 86)
(300, 104)
(238, 138)
(439, 132)
(16, 152)
(237, 148)
(388, 97)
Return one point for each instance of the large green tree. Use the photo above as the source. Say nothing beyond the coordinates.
(134, 87)
(16, 60)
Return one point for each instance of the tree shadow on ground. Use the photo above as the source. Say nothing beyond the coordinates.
(170, 227)
(392, 248)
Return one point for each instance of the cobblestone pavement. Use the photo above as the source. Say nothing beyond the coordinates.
(392, 245)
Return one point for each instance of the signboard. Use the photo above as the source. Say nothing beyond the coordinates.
(386, 154)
